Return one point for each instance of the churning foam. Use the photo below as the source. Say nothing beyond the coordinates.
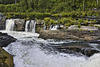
(28, 53)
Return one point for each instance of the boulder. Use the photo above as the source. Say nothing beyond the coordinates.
(75, 27)
(19, 24)
(2, 21)
(5, 39)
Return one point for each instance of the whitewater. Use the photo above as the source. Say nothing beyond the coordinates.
(28, 51)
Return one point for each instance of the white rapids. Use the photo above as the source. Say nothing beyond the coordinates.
(28, 52)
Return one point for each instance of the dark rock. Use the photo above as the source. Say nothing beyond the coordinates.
(77, 49)
(5, 39)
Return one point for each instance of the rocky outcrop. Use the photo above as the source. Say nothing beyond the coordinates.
(70, 34)
(19, 24)
(2, 21)
(5, 39)
(6, 60)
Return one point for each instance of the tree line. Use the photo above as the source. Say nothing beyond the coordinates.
(52, 6)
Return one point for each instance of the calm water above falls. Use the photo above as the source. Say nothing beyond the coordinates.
(28, 51)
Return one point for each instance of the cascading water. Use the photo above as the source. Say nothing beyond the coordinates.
(26, 26)
(30, 26)
(33, 25)
(31, 51)
(54, 27)
(10, 25)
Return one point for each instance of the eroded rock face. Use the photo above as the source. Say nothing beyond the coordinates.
(70, 34)
(19, 24)
(2, 21)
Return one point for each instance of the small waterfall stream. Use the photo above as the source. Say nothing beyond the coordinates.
(53, 27)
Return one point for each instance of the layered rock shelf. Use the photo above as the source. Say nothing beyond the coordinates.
(84, 35)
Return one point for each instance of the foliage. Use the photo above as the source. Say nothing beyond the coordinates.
(53, 6)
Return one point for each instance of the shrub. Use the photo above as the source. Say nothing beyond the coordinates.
(83, 14)
(46, 20)
(51, 22)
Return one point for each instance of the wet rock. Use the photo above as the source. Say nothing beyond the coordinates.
(5, 39)
(2, 21)
(84, 49)
(6, 60)
(19, 24)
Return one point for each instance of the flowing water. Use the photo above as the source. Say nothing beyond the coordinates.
(53, 27)
(10, 24)
(31, 51)
(30, 26)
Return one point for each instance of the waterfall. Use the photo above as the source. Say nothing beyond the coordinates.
(10, 25)
(26, 26)
(30, 26)
(53, 27)
(33, 26)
